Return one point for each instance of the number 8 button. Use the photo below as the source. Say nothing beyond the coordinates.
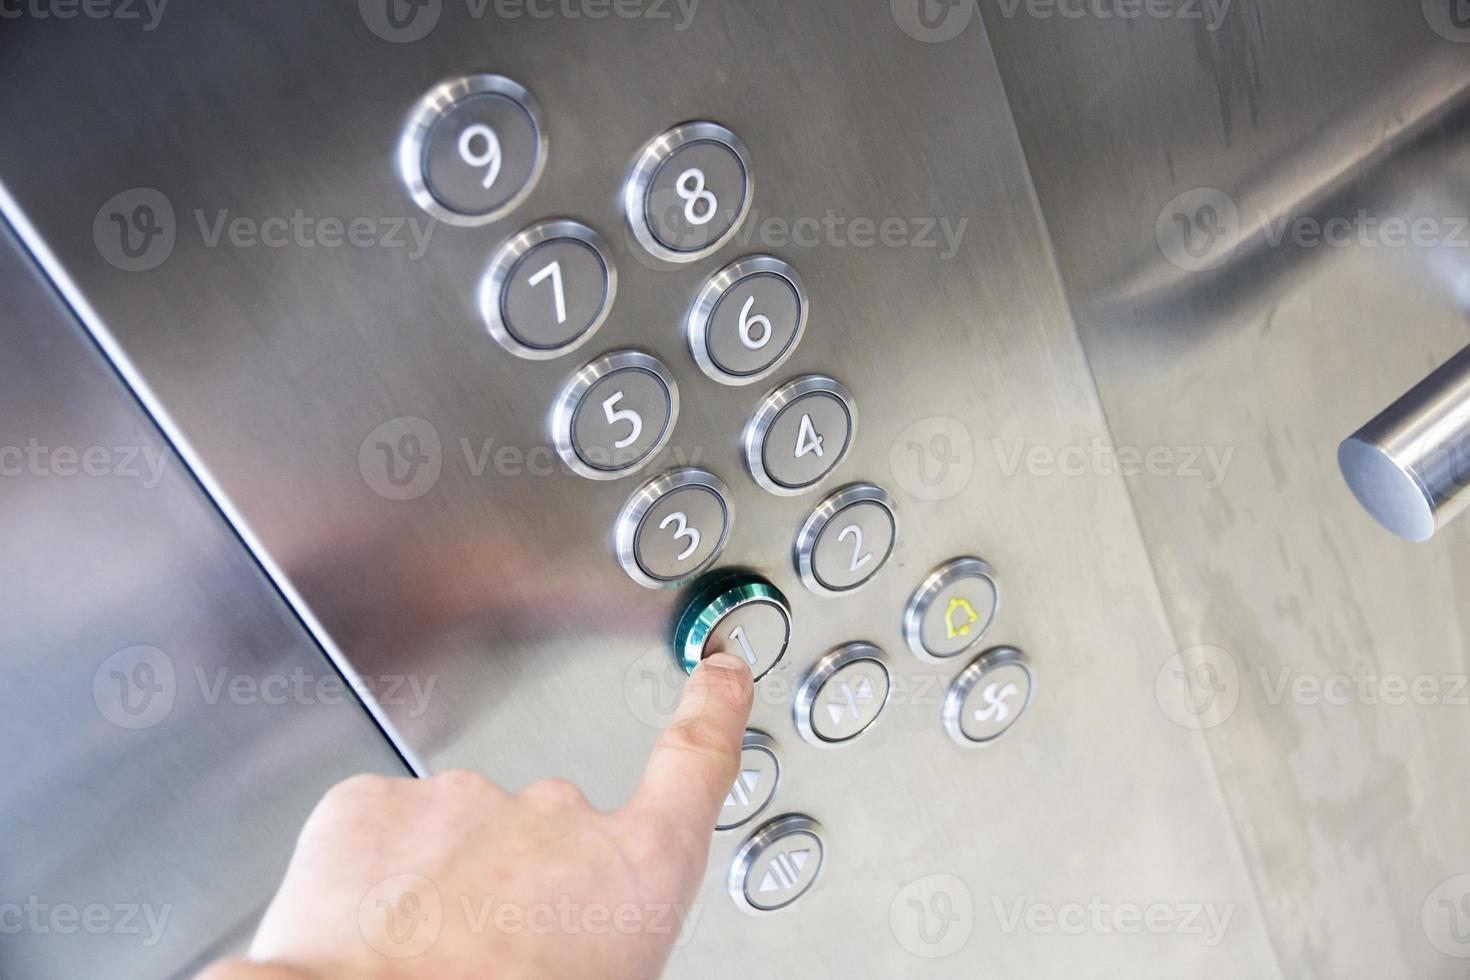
(799, 434)
(615, 415)
(689, 190)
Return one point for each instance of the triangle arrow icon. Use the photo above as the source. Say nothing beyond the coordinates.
(750, 777)
(769, 883)
(835, 710)
(798, 858)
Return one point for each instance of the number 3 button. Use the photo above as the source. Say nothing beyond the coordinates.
(799, 434)
(688, 192)
(615, 415)
(547, 290)
(747, 320)
(673, 528)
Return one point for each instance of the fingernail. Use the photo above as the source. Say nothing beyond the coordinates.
(727, 661)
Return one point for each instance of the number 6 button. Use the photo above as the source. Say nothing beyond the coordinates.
(547, 290)
(689, 190)
(846, 539)
(673, 528)
(615, 415)
(799, 434)
(747, 320)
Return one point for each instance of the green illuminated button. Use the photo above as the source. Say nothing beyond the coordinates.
(744, 615)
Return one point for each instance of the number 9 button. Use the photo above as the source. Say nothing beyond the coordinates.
(747, 320)
(689, 190)
(673, 528)
(473, 149)
(615, 415)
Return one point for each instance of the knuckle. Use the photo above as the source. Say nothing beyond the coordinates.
(355, 789)
(462, 781)
(560, 792)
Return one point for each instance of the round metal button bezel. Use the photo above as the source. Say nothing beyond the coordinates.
(697, 323)
(817, 677)
(503, 263)
(756, 844)
(646, 165)
(625, 534)
(760, 741)
(708, 609)
(923, 598)
(959, 690)
(427, 111)
(564, 414)
(812, 528)
(753, 440)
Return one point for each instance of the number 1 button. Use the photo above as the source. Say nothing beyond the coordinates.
(548, 289)
(799, 434)
(615, 415)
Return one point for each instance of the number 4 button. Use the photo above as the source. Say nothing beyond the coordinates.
(799, 434)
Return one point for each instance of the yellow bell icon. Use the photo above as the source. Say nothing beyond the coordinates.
(957, 605)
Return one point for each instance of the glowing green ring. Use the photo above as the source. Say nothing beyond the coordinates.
(700, 619)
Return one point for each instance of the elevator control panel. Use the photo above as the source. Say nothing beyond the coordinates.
(471, 152)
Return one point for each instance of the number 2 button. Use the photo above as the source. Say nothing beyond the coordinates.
(615, 415)
(673, 528)
(547, 290)
(799, 434)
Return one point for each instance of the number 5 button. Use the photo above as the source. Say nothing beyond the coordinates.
(799, 434)
(673, 528)
(615, 415)
(747, 320)
(846, 539)
(547, 290)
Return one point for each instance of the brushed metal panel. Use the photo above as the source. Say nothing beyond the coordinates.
(277, 365)
(1351, 814)
(144, 817)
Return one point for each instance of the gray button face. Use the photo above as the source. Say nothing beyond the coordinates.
(853, 545)
(777, 865)
(808, 438)
(995, 702)
(759, 631)
(755, 784)
(696, 196)
(681, 532)
(753, 324)
(621, 419)
(952, 610)
(480, 153)
(555, 293)
(850, 701)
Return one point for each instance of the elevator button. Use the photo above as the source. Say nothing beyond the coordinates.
(673, 528)
(615, 415)
(988, 697)
(799, 433)
(777, 864)
(842, 695)
(688, 191)
(473, 149)
(747, 320)
(755, 784)
(847, 539)
(547, 289)
(952, 610)
(744, 615)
